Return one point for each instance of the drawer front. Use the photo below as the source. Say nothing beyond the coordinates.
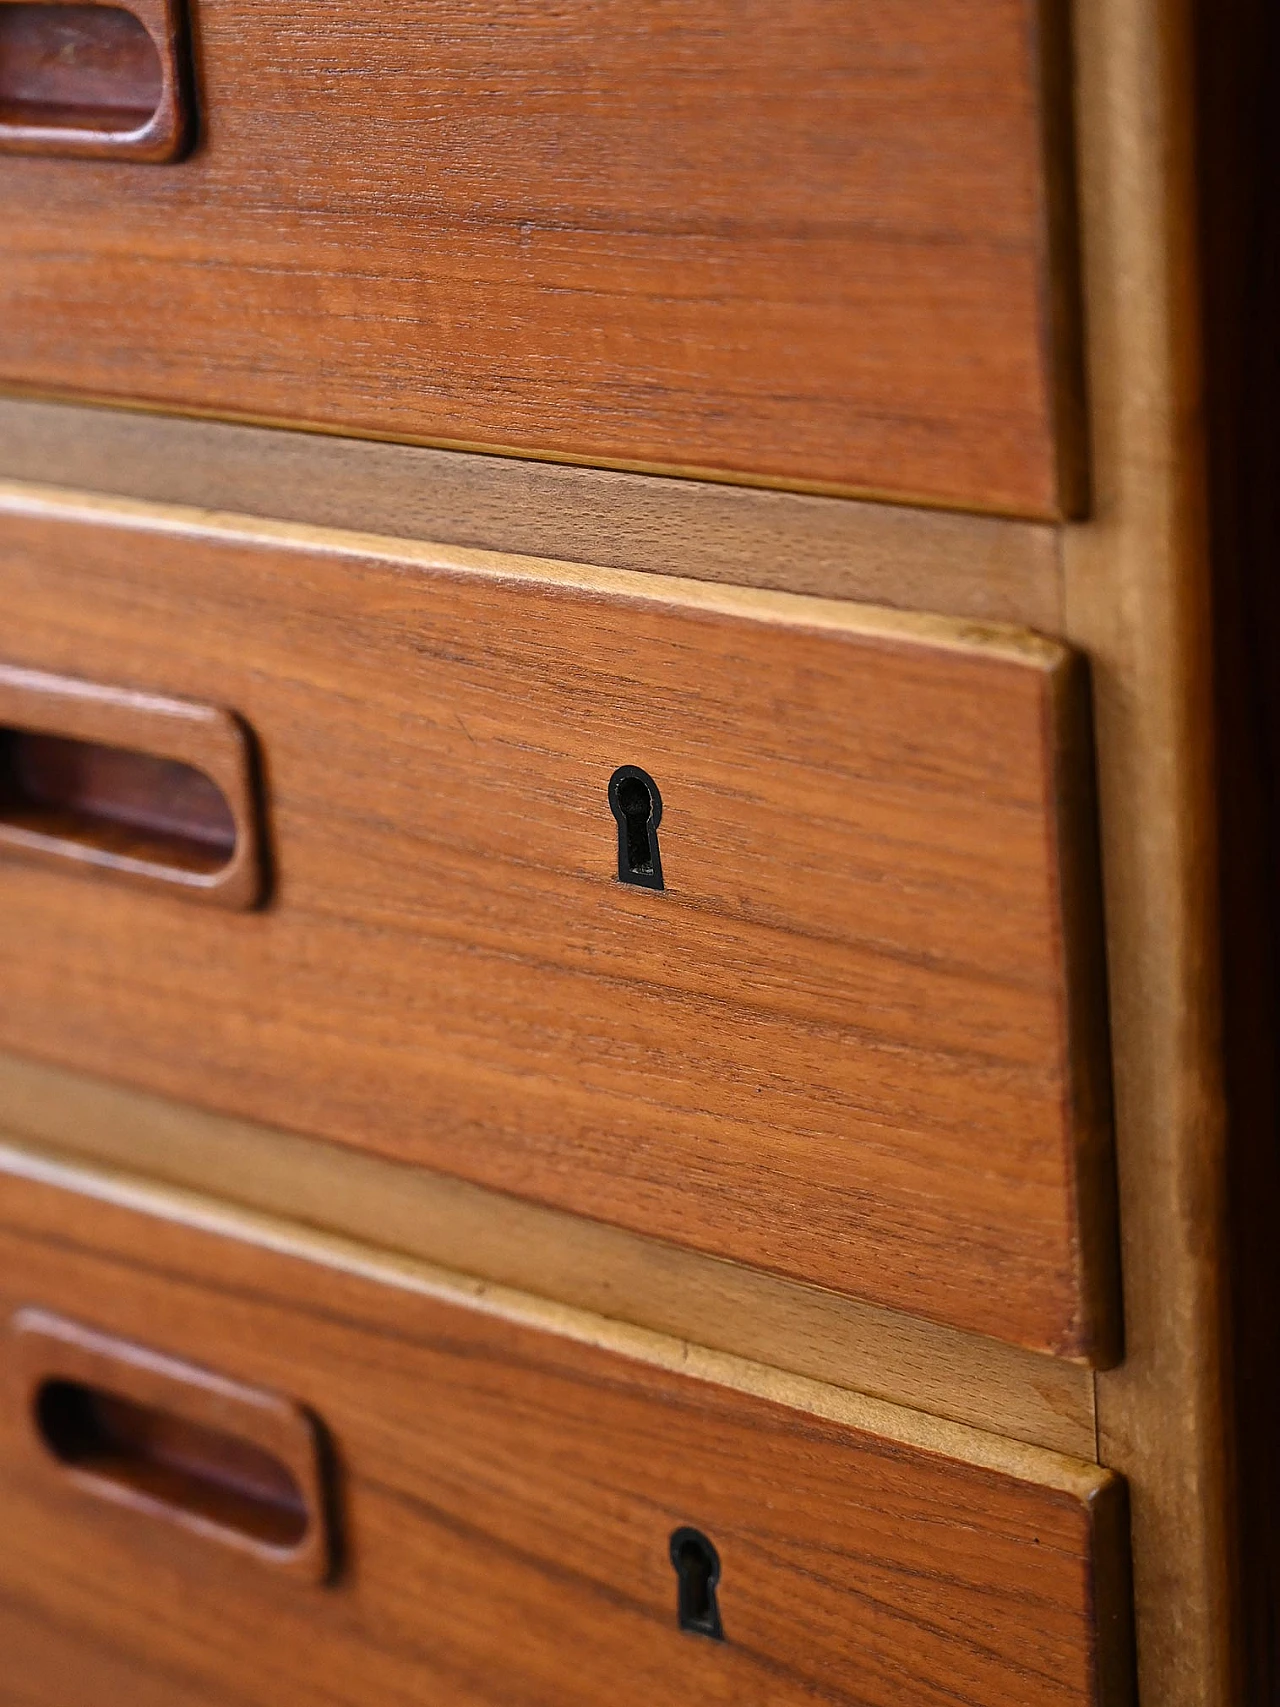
(805, 243)
(506, 1501)
(845, 1041)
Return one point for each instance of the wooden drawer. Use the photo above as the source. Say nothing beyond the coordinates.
(502, 1501)
(854, 1039)
(806, 243)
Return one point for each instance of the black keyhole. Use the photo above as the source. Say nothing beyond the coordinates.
(636, 804)
(697, 1568)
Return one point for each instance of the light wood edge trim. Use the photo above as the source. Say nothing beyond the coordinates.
(472, 447)
(605, 1270)
(797, 610)
(1138, 599)
(984, 567)
(1082, 1481)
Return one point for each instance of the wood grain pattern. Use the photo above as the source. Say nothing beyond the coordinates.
(133, 787)
(46, 1661)
(985, 567)
(232, 1465)
(806, 244)
(95, 81)
(508, 1497)
(123, 1145)
(842, 1045)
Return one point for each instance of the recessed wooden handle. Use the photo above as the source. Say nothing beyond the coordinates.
(232, 1464)
(100, 80)
(150, 790)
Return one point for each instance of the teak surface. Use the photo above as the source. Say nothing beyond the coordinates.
(805, 244)
(506, 1500)
(851, 1042)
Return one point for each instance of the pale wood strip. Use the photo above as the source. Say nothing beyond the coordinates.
(967, 565)
(55, 1176)
(331, 1191)
(37, 501)
(1137, 590)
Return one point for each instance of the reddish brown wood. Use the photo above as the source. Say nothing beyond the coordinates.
(88, 63)
(508, 1498)
(96, 80)
(231, 1464)
(130, 786)
(93, 786)
(800, 243)
(856, 1038)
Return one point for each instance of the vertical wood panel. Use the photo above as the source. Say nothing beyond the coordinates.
(1138, 601)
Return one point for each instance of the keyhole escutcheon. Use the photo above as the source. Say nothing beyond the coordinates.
(636, 804)
(697, 1567)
